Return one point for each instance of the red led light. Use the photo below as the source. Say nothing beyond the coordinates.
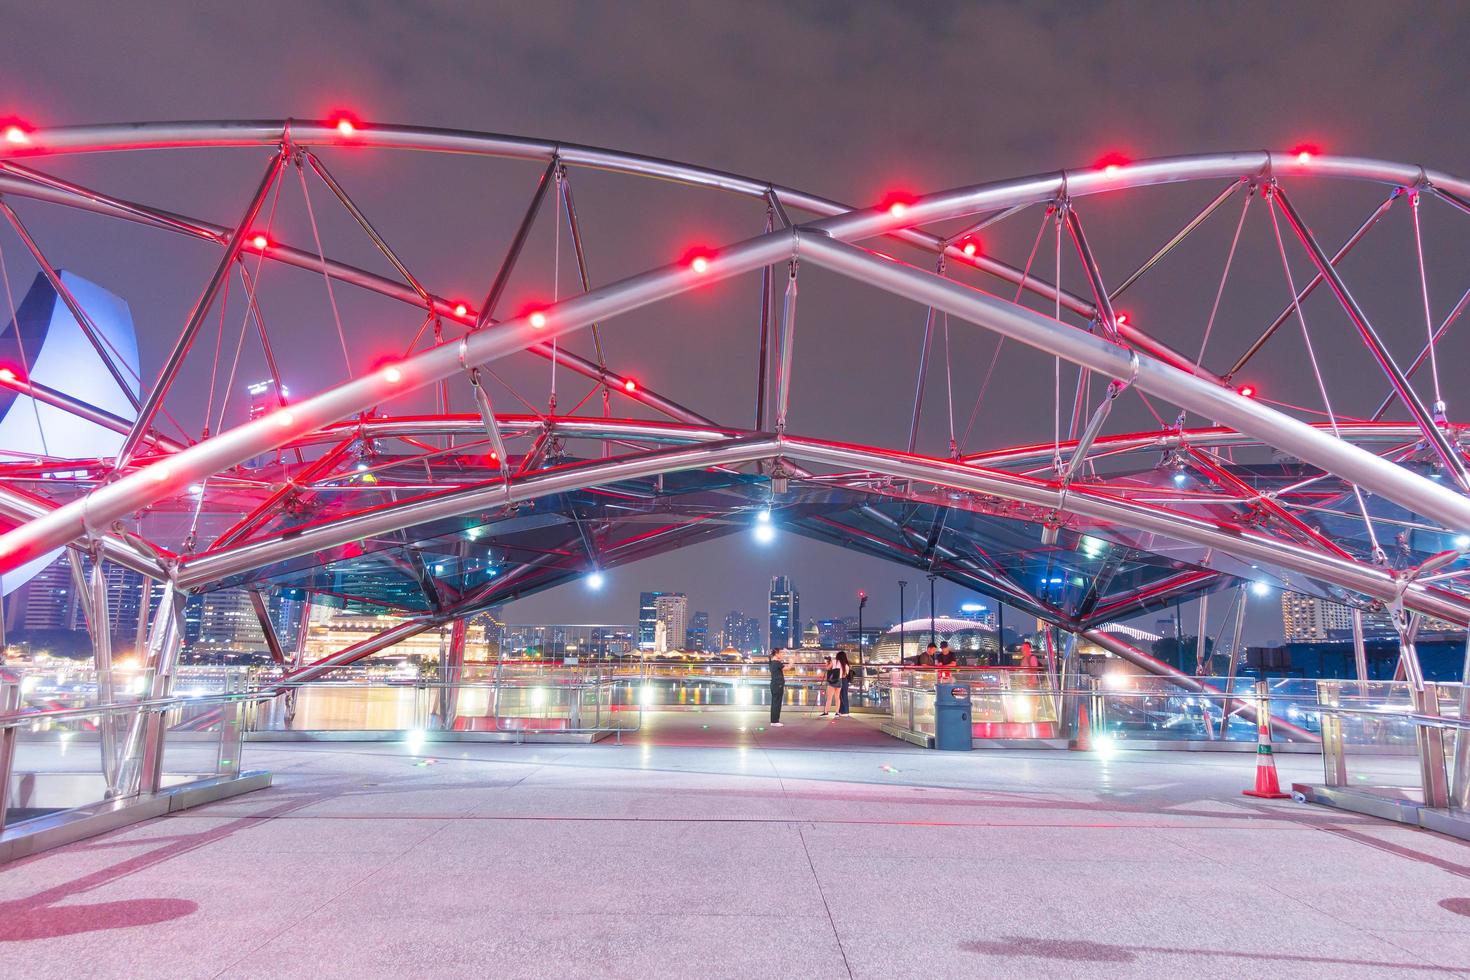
(392, 375)
(538, 319)
(970, 248)
(1111, 163)
(1304, 152)
(1248, 391)
(285, 419)
(897, 203)
(460, 309)
(17, 135)
(346, 127)
(7, 375)
(630, 385)
(699, 264)
(260, 241)
(1122, 318)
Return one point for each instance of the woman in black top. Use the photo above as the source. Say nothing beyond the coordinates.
(846, 680)
(834, 687)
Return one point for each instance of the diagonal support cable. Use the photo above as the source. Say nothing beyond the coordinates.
(1312, 285)
(1448, 454)
(517, 244)
(1182, 234)
(186, 338)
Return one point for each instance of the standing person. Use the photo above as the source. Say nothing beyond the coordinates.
(834, 687)
(777, 665)
(946, 658)
(1030, 662)
(844, 711)
(926, 659)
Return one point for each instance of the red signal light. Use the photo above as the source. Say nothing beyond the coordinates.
(1111, 163)
(1304, 153)
(260, 241)
(897, 203)
(7, 375)
(970, 248)
(17, 134)
(1248, 391)
(460, 309)
(630, 385)
(1122, 318)
(538, 319)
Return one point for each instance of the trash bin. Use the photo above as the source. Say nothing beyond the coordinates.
(952, 730)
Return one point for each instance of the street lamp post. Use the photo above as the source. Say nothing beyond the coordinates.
(901, 586)
(933, 633)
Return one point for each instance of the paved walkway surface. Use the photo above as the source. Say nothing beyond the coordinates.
(711, 846)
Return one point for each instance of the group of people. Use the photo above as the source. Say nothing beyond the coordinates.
(936, 656)
(834, 699)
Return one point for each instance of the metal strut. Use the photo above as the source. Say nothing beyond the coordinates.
(176, 357)
(1448, 454)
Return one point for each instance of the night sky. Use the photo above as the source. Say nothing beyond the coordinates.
(848, 100)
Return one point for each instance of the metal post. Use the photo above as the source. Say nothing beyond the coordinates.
(451, 675)
(140, 766)
(784, 355)
(1460, 787)
(1360, 651)
(9, 704)
(230, 739)
(901, 641)
(101, 627)
(1429, 741)
(1199, 639)
(1334, 765)
(764, 358)
(1234, 660)
(1433, 772)
(933, 633)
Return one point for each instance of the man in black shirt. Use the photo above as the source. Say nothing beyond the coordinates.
(926, 659)
(945, 658)
(778, 685)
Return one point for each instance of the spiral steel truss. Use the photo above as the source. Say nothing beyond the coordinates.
(406, 487)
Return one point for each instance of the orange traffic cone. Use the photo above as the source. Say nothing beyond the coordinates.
(1267, 787)
(1083, 741)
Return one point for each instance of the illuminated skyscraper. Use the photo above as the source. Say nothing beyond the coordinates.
(785, 613)
(1305, 617)
(672, 609)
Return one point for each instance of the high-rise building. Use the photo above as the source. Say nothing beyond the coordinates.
(785, 613)
(48, 601)
(228, 622)
(831, 633)
(1305, 617)
(647, 619)
(672, 610)
(698, 632)
(264, 398)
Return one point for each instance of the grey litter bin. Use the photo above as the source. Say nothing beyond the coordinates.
(952, 730)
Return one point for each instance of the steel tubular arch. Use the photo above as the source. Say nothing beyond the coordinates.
(1155, 368)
